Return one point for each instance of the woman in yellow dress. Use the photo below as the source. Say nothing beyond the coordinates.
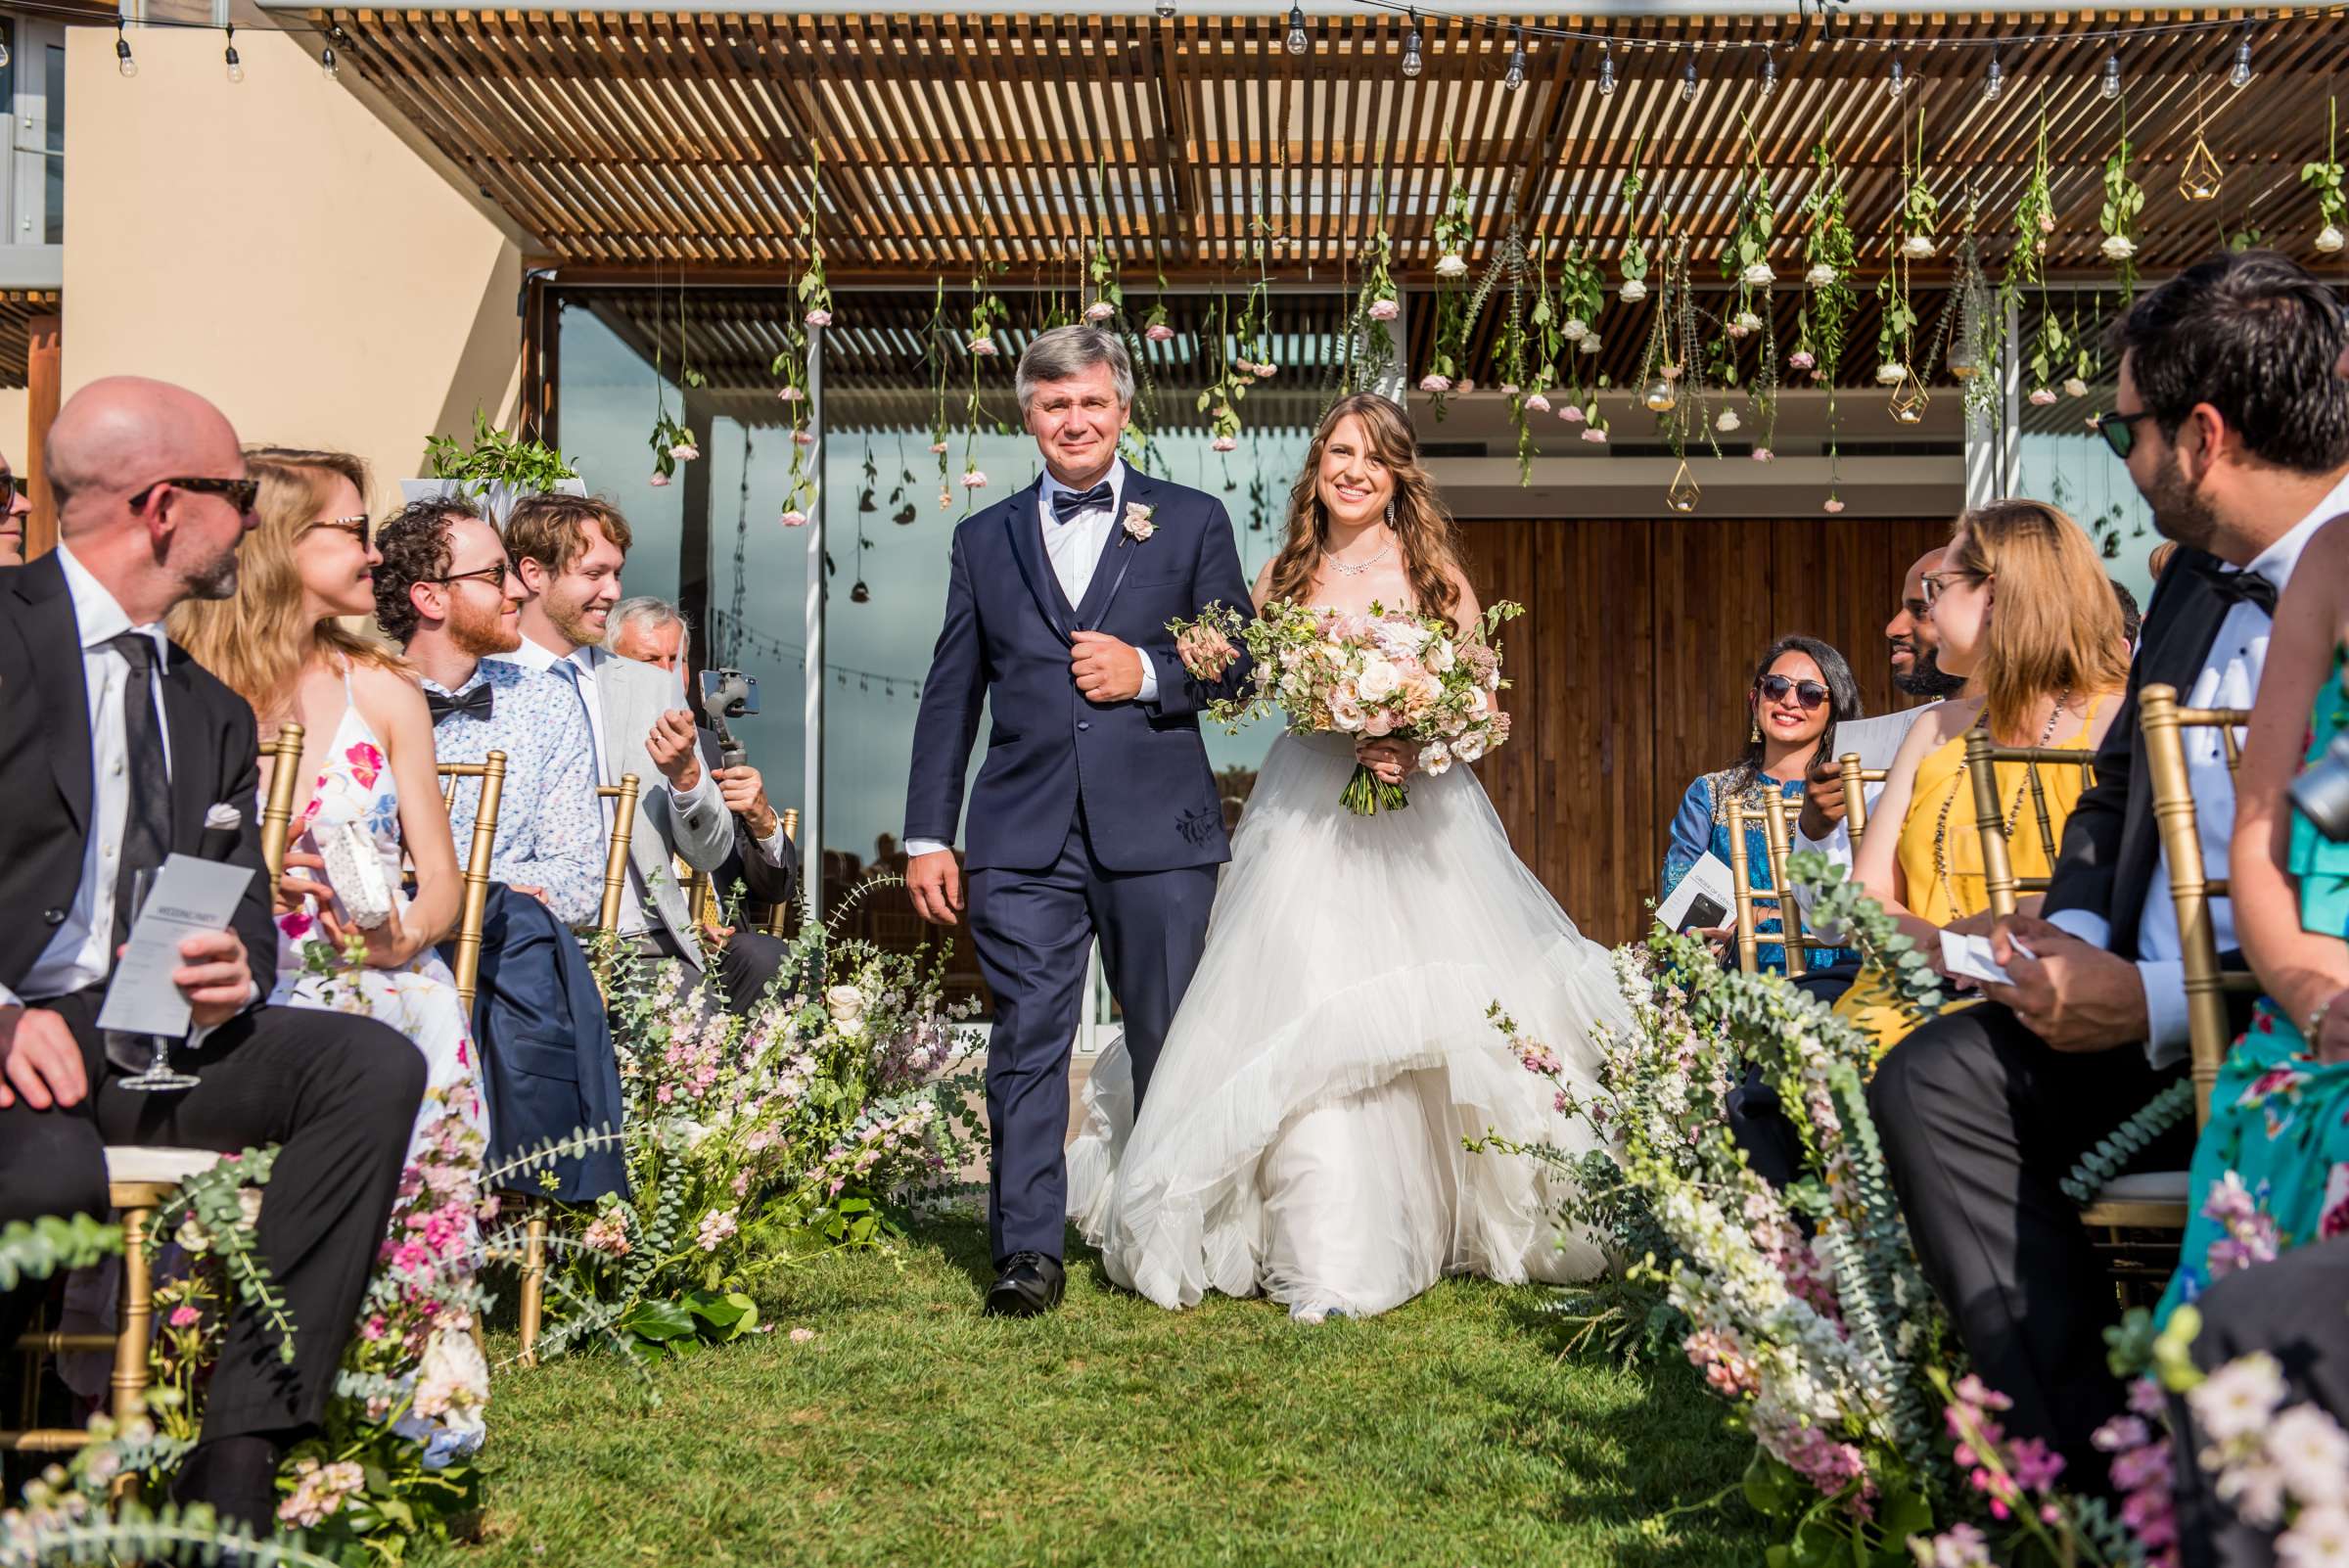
(2025, 612)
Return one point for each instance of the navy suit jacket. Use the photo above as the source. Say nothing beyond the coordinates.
(1150, 798)
(548, 1060)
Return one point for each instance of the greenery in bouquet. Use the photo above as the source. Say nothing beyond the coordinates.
(753, 1144)
(1379, 674)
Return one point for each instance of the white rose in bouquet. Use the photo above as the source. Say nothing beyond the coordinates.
(1346, 710)
(1439, 654)
(1377, 680)
(1435, 759)
(1470, 746)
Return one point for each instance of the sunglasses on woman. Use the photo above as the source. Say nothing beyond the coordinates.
(1810, 693)
(357, 527)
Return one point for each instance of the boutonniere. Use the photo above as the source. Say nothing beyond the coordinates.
(1138, 522)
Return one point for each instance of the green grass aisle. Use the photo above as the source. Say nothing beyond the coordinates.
(910, 1430)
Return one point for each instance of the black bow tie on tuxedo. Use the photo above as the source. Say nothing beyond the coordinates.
(474, 703)
(2242, 587)
(1065, 504)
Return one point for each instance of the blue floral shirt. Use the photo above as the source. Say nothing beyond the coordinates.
(550, 828)
(1702, 826)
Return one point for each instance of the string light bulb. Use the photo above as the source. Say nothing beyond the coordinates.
(1769, 70)
(1606, 69)
(1689, 82)
(2113, 75)
(1516, 79)
(1166, 10)
(128, 66)
(1412, 63)
(4, 56)
(1993, 83)
(2240, 76)
(1897, 82)
(235, 67)
(1297, 42)
(327, 65)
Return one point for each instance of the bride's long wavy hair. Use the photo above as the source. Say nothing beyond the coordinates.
(1422, 527)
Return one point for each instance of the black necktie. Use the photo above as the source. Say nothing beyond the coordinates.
(146, 818)
(473, 704)
(2242, 587)
(1065, 504)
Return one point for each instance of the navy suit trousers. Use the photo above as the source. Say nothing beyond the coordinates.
(1034, 931)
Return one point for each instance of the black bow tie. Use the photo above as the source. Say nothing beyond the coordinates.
(2242, 587)
(474, 703)
(1065, 504)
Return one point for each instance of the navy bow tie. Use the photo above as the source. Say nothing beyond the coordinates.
(1065, 504)
(474, 703)
(2242, 587)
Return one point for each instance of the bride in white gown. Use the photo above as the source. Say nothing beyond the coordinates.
(1302, 1136)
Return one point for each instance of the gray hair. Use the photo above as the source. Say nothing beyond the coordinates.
(1060, 352)
(648, 611)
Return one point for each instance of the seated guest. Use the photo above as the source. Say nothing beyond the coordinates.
(15, 505)
(1801, 691)
(653, 631)
(447, 593)
(2132, 619)
(119, 750)
(569, 551)
(367, 787)
(2158, 560)
(2233, 427)
(2019, 609)
(2280, 1111)
(1915, 661)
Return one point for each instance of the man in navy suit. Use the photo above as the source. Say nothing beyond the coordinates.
(1095, 814)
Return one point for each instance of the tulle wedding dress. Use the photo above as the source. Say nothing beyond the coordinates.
(1302, 1138)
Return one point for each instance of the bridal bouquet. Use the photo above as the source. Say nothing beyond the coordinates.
(1382, 674)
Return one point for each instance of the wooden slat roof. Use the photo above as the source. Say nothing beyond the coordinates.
(625, 142)
(19, 309)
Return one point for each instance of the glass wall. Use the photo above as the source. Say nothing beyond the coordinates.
(2063, 460)
(607, 393)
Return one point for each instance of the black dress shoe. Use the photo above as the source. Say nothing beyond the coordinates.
(1027, 1285)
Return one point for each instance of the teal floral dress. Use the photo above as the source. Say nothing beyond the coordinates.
(2271, 1168)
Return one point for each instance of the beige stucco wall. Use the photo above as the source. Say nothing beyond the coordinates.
(273, 246)
(15, 410)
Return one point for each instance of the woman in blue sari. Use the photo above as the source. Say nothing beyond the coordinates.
(2271, 1170)
(1801, 690)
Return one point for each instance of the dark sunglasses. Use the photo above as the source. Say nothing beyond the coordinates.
(494, 576)
(1810, 693)
(2120, 430)
(358, 528)
(239, 494)
(18, 484)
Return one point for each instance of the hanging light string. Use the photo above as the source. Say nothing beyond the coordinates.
(126, 62)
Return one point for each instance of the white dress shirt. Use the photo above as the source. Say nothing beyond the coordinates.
(2230, 680)
(1878, 742)
(77, 956)
(1075, 548)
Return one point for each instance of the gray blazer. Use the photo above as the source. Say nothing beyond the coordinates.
(633, 695)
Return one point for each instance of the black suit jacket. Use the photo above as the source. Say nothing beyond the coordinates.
(2111, 844)
(45, 786)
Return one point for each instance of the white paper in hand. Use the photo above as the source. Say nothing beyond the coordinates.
(1969, 956)
(189, 896)
(1703, 900)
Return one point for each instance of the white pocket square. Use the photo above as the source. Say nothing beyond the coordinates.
(223, 817)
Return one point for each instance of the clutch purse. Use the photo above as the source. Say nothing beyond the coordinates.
(355, 871)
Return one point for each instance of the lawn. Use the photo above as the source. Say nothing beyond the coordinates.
(911, 1430)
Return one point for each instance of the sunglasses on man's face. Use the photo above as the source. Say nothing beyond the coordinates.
(2120, 430)
(18, 484)
(238, 492)
(1810, 693)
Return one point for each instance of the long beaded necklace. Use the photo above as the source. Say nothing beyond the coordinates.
(1941, 826)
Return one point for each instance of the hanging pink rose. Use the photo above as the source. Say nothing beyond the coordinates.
(1572, 413)
(1762, 454)
(820, 318)
(1099, 310)
(659, 482)
(1435, 384)
(1537, 403)
(1385, 309)
(793, 519)
(1834, 503)
(1801, 360)
(1224, 444)
(1158, 332)
(1592, 432)
(792, 395)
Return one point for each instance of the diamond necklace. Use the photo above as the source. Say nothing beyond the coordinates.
(1348, 569)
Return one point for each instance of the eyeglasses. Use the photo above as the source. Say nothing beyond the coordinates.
(239, 492)
(494, 576)
(1937, 582)
(2120, 430)
(18, 484)
(357, 527)
(1775, 688)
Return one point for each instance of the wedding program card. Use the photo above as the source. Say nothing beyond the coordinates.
(1703, 900)
(189, 896)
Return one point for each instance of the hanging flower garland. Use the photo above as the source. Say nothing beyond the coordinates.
(816, 295)
(1832, 251)
(1453, 316)
(1634, 248)
(1515, 345)
(1369, 350)
(1221, 399)
(1747, 260)
(936, 337)
(672, 440)
(1920, 206)
(2325, 179)
(1581, 296)
(2124, 199)
(988, 313)
(1549, 337)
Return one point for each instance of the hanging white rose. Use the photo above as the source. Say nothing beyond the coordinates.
(1917, 247)
(1820, 275)
(1728, 422)
(1891, 373)
(1574, 330)
(1633, 290)
(1451, 264)
(2074, 386)
(2118, 248)
(2330, 239)
(1759, 275)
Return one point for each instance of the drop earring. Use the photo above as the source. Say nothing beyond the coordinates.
(1755, 739)
(1390, 512)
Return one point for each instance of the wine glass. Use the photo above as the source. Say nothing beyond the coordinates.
(157, 1076)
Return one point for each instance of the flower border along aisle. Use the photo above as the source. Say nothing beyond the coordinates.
(1805, 1308)
(755, 1143)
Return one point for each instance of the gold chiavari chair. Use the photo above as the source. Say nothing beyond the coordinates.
(1855, 780)
(778, 915)
(2157, 1200)
(139, 1180)
(1994, 819)
(1776, 836)
(480, 853)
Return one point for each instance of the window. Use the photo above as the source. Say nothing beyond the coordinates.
(32, 85)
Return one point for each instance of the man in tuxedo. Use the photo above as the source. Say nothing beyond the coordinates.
(569, 551)
(2237, 430)
(120, 751)
(1095, 813)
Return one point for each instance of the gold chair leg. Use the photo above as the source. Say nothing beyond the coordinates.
(129, 1381)
(534, 1283)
